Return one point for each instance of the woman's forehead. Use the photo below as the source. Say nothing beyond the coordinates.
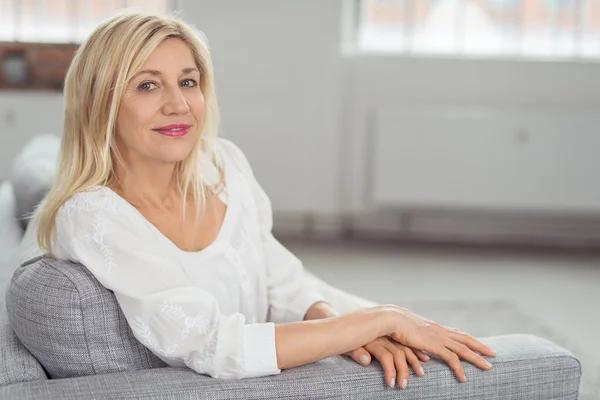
(172, 50)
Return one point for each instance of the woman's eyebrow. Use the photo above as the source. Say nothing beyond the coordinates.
(158, 73)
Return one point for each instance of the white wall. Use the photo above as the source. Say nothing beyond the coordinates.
(278, 70)
(375, 81)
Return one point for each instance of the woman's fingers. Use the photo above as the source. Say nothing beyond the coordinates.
(472, 343)
(467, 354)
(450, 344)
(386, 359)
(399, 355)
(453, 361)
(422, 356)
(414, 361)
(361, 356)
(394, 359)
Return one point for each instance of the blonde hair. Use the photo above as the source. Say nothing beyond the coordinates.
(95, 81)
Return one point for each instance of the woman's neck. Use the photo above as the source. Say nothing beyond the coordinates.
(148, 186)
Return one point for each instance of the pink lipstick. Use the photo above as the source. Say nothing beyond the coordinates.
(174, 130)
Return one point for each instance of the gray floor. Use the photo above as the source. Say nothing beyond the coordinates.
(561, 288)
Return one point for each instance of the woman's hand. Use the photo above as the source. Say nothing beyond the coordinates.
(393, 357)
(450, 344)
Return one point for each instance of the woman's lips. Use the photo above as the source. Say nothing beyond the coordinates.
(173, 130)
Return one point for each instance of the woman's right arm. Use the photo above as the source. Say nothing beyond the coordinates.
(300, 343)
(309, 341)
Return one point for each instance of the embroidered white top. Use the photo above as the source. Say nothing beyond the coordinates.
(214, 310)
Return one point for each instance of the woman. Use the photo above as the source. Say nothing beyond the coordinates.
(172, 220)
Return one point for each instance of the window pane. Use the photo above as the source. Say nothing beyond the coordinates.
(91, 14)
(491, 27)
(28, 21)
(159, 7)
(548, 27)
(590, 30)
(441, 28)
(56, 24)
(381, 25)
(62, 20)
(525, 28)
(7, 17)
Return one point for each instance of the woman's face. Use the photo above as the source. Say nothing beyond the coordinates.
(162, 107)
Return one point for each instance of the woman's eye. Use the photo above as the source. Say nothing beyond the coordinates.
(189, 83)
(147, 86)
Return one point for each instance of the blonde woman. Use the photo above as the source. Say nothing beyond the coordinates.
(171, 219)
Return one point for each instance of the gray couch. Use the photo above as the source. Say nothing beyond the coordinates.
(64, 336)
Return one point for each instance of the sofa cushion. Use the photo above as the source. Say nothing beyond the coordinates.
(71, 323)
(16, 363)
(32, 173)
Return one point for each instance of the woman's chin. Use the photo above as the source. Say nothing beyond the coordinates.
(173, 155)
(175, 150)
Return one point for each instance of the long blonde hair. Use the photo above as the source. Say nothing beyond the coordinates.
(95, 81)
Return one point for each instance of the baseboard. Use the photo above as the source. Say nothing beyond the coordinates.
(445, 226)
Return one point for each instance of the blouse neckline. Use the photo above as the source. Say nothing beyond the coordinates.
(223, 239)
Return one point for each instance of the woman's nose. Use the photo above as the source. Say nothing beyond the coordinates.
(175, 102)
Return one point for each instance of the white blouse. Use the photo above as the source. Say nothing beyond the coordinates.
(213, 310)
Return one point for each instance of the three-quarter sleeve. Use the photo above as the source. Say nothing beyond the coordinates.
(290, 293)
(180, 323)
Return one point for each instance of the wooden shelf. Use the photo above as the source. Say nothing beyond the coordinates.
(45, 65)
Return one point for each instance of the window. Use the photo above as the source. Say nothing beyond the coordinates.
(63, 21)
(514, 28)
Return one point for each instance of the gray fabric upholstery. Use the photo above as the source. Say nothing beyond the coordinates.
(527, 367)
(71, 323)
(16, 363)
(32, 173)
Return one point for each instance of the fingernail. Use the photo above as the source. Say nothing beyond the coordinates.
(364, 359)
(421, 371)
(487, 364)
(404, 383)
(465, 378)
(392, 382)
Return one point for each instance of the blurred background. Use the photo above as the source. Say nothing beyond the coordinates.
(438, 154)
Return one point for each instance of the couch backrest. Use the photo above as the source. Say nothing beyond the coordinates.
(32, 172)
(71, 323)
(17, 364)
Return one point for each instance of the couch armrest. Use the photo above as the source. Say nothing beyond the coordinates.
(526, 367)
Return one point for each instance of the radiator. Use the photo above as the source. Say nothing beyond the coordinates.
(486, 160)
